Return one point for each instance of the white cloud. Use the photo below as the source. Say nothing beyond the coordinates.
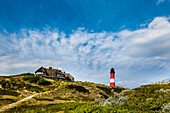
(130, 84)
(160, 1)
(136, 55)
(153, 41)
(13, 65)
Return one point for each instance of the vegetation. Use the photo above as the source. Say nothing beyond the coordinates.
(31, 79)
(147, 98)
(51, 108)
(90, 108)
(9, 92)
(81, 97)
(60, 98)
(78, 88)
(43, 99)
(77, 91)
(16, 87)
(42, 81)
(6, 101)
(106, 89)
(36, 79)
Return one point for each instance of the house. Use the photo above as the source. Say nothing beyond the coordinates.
(53, 73)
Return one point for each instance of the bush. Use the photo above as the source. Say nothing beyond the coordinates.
(9, 92)
(27, 74)
(90, 108)
(36, 79)
(118, 99)
(42, 81)
(118, 89)
(31, 79)
(35, 88)
(166, 108)
(50, 108)
(78, 88)
(103, 95)
(5, 84)
(105, 89)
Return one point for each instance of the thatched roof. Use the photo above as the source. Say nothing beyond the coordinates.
(69, 76)
(41, 69)
(53, 73)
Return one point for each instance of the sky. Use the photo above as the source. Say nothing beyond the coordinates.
(87, 38)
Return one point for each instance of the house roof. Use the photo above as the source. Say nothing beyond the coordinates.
(69, 76)
(41, 69)
(59, 77)
(54, 72)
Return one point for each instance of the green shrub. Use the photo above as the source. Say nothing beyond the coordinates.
(5, 84)
(118, 89)
(105, 89)
(166, 108)
(78, 88)
(50, 108)
(31, 79)
(42, 81)
(9, 92)
(90, 108)
(118, 99)
(34, 88)
(36, 79)
(27, 74)
(103, 95)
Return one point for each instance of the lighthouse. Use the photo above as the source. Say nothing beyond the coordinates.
(112, 77)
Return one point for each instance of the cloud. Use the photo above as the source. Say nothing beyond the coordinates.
(130, 84)
(136, 55)
(13, 65)
(160, 1)
(153, 41)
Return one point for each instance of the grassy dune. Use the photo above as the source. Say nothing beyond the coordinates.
(78, 97)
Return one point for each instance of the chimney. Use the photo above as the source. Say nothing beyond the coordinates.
(50, 68)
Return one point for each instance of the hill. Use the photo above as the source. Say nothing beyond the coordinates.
(49, 95)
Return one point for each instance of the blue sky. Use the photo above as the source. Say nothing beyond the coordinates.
(87, 38)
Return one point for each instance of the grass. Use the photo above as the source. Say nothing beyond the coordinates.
(77, 91)
(78, 88)
(6, 101)
(9, 92)
(74, 107)
(51, 108)
(60, 98)
(106, 89)
(43, 99)
(147, 98)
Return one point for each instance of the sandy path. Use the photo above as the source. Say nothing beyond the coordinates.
(18, 102)
(15, 104)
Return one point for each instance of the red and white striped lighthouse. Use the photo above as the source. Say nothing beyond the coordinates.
(112, 78)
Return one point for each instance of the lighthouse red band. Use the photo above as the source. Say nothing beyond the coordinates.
(112, 78)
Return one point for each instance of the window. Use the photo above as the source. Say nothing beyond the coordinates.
(60, 75)
(39, 73)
